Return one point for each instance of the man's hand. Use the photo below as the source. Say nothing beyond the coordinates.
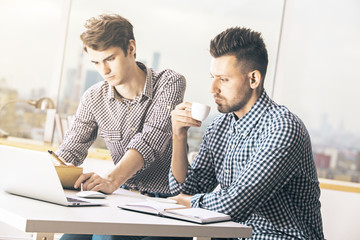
(181, 120)
(130, 163)
(182, 199)
(93, 182)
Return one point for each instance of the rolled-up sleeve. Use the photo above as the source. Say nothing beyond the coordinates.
(80, 136)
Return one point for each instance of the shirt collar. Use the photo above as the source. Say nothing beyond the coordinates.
(111, 92)
(251, 118)
(149, 81)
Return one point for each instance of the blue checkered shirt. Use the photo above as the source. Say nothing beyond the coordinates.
(143, 124)
(264, 165)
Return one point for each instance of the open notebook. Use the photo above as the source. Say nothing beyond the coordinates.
(32, 174)
(177, 211)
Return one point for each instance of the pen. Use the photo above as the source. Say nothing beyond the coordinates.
(56, 157)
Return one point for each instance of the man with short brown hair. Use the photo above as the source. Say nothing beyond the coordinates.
(130, 110)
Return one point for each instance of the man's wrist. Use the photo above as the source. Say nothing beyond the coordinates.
(180, 137)
(116, 181)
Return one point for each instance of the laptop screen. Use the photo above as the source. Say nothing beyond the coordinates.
(30, 173)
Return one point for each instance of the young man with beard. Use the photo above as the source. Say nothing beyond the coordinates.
(256, 150)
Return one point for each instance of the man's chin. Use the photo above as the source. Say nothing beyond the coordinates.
(112, 83)
(223, 109)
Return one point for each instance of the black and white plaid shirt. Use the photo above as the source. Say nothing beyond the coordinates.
(264, 165)
(143, 124)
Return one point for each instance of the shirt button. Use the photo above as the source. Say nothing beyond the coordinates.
(232, 146)
(168, 107)
(132, 128)
(227, 171)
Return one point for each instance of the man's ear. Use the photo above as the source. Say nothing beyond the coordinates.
(132, 47)
(254, 78)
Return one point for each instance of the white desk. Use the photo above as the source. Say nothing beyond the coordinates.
(44, 219)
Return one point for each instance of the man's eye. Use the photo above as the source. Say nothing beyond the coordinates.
(111, 59)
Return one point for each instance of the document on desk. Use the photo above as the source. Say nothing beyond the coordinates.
(177, 211)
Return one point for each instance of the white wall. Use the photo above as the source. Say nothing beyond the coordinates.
(341, 214)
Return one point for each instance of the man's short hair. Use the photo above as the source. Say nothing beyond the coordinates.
(245, 44)
(107, 30)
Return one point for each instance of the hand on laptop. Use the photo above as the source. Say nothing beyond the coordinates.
(94, 182)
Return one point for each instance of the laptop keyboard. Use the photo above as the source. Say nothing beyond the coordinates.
(70, 199)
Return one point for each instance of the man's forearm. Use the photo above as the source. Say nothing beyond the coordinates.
(179, 162)
(130, 163)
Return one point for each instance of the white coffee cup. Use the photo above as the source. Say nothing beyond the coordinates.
(200, 111)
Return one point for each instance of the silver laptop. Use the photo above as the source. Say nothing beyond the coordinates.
(32, 174)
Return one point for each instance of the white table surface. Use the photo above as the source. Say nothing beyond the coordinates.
(45, 219)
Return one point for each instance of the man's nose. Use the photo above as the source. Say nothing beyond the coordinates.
(214, 88)
(105, 69)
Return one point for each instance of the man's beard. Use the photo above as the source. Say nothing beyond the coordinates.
(230, 108)
(235, 105)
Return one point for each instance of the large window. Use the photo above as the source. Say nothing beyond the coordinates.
(318, 79)
(28, 47)
(314, 75)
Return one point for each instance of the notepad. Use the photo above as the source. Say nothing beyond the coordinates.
(177, 211)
